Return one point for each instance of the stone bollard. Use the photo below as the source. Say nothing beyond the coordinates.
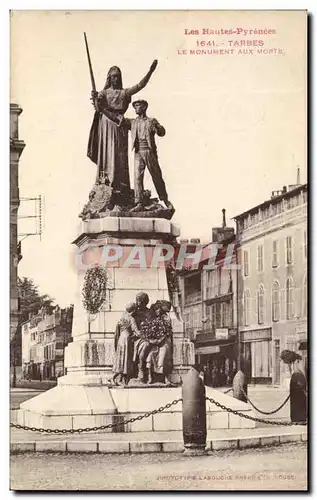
(194, 413)
(240, 386)
(298, 399)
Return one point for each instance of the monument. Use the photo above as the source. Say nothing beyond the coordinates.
(129, 350)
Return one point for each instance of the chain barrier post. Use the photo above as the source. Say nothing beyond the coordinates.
(298, 397)
(194, 413)
(240, 386)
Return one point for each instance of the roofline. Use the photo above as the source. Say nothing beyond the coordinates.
(272, 200)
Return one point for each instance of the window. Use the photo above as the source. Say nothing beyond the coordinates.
(218, 292)
(261, 305)
(187, 321)
(304, 302)
(218, 315)
(276, 301)
(266, 212)
(274, 253)
(208, 284)
(214, 283)
(208, 317)
(260, 258)
(225, 281)
(289, 250)
(289, 299)
(213, 315)
(246, 262)
(196, 317)
(246, 307)
(261, 359)
(254, 218)
(305, 244)
(192, 289)
(226, 314)
(224, 319)
(229, 314)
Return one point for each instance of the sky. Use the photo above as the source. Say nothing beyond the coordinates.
(235, 124)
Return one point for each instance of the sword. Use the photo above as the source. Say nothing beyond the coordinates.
(93, 85)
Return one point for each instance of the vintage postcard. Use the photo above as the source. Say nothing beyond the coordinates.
(158, 250)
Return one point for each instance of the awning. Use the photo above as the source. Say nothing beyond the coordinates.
(211, 349)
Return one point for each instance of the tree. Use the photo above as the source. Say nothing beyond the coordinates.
(289, 358)
(30, 300)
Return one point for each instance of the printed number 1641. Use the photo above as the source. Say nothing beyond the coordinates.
(205, 43)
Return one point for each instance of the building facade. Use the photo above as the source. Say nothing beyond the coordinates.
(272, 283)
(44, 338)
(16, 148)
(209, 308)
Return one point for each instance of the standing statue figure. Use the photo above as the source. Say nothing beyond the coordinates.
(143, 130)
(160, 358)
(126, 330)
(141, 345)
(108, 139)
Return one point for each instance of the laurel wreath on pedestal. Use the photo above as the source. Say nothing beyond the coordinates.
(94, 292)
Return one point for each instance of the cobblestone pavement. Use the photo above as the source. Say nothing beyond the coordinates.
(281, 468)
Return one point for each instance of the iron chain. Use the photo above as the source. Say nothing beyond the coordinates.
(266, 412)
(154, 412)
(101, 427)
(228, 390)
(262, 420)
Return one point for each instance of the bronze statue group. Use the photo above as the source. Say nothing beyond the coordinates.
(143, 343)
(108, 143)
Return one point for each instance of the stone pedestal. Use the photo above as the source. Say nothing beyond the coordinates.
(74, 407)
(89, 357)
(83, 397)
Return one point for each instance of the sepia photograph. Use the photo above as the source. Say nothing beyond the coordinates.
(158, 250)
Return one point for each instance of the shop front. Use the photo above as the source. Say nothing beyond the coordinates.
(217, 358)
(256, 349)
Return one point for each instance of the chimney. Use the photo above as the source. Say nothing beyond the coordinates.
(298, 176)
(224, 218)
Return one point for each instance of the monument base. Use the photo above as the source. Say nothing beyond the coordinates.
(85, 406)
(84, 398)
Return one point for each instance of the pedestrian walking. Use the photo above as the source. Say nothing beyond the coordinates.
(298, 395)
